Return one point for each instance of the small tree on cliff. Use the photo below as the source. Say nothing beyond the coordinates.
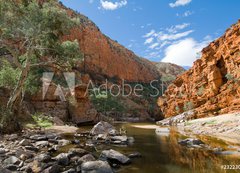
(30, 38)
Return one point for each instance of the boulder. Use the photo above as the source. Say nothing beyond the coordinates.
(113, 155)
(123, 139)
(62, 159)
(38, 137)
(96, 167)
(103, 128)
(24, 142)
(43, 158)
(86, 158)
(12, 160)
(52, 169)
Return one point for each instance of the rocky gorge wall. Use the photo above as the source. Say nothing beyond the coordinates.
(212, 85)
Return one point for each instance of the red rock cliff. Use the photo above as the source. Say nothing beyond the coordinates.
(212, 85)
(105, 58)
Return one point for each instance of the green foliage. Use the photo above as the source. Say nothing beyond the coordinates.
(6, 121)
(42, 121)
(177, 109)
(188, 106)
(168, 78)
(229, 76)
(8, 75)
(33, 34)
(104, 102)
(200, 91)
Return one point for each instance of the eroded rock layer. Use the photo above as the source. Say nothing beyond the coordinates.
(212, 85)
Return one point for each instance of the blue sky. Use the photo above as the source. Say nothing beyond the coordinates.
(161, 30)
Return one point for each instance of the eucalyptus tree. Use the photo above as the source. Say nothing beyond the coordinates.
(31, 37)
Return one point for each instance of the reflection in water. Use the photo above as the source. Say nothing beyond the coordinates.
(162, 154)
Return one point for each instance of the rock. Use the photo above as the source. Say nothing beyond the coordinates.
(190, 142)
(42, 144)
(43, 158)
(11, 167)
(26, 169)
(12, 137)
(70, 171)
(2, 151)
(52, 136)
(53, 148)
(212, 84)
(86, 158)
(12, 160)
(114, 156)
(32, 148)
(123, 139)
(103, 128)
(63, 142)
(62, 159)
(96, 167)
(4, 170)
(53, 169)
(75, 141)
(77, 152)
(24, 142)
(135, 155)
(38, 137)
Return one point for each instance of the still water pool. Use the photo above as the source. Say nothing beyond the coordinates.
(161, 152)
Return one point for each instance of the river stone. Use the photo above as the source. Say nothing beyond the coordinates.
(115, 156)
(38, 137)
(63, 142)
(42, 143)
(43, 158)
(11, 167)
(123, 139)
(12, 137)
(62, 159)
(96, 167)
(70, 171)
(11, 161)
(86, 158)
(24, 142)
(103, 128)
(2, 151)
(77, 152)
(4, 170)
(52, 169)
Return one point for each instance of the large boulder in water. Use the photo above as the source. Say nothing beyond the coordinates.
(103, 128)
(113, 155)
(96, 167)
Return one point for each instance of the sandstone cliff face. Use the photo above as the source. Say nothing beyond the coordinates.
(212, 85)
(106, 59)
(169, 70)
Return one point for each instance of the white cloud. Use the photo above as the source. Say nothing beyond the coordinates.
(184, 52)
(148, 40)
(152, 32)
(185, 14)
(179, 3)
(154, 45)
(108, 5)
(174, 29)
(163, 37)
